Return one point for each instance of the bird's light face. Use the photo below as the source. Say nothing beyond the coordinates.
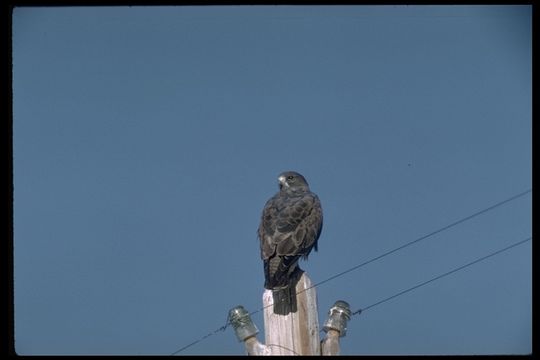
(291, 180)
(282, 182)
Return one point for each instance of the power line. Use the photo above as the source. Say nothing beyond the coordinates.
(483, 211)
(203, 338)
(441, 276)
(223, 328)
(359, 311)
(425, 237)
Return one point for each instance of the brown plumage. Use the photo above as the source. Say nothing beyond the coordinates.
(291, 224)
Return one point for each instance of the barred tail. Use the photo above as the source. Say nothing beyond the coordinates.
(281, 276)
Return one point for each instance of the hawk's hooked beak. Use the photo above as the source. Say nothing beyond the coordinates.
(282, 182)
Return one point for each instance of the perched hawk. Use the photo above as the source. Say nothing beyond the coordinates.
(291, 223)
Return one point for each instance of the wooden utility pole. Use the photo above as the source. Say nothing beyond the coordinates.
(296, 333)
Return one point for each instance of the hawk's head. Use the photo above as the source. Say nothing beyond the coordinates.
(292, 181)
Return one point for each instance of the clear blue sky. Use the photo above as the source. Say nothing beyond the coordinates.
(147, 140)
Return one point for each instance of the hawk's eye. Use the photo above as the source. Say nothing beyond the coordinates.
(290, 177)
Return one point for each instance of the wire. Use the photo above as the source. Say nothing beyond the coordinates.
(462, 220)
(283, 347)
(221, 329)
(201, 339)
(359, 311)
(441, 276)
(483, 211)
(424, 237)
